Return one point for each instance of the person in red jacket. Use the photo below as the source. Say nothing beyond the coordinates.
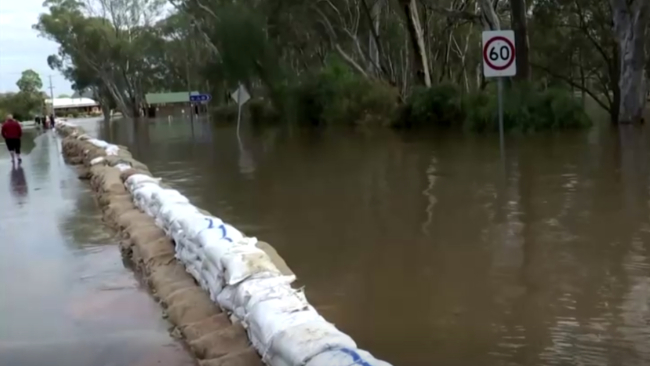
(12, 132)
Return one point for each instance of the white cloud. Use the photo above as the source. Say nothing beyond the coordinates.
(21, 48)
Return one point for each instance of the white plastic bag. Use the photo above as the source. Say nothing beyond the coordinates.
(298, 344)
(345, 357)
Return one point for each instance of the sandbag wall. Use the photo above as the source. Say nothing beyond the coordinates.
(252, 290)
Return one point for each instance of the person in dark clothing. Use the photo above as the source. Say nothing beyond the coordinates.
(12, 132)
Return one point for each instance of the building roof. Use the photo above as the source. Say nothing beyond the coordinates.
(165, 98)
(71, 102)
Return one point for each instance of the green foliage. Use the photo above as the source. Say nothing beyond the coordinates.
(28, 102)
(29, 82)
(441, 104)
(526, 109)
(336, 95)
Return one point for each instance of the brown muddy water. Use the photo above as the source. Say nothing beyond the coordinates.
(66, 297)
(432, 249)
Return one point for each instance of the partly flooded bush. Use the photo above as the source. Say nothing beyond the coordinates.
(525, 109)
(337, 95)
(439, 105)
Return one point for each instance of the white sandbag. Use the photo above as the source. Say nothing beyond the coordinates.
(168, 196)
(345, 357)
(268, 318)
(112, 150)
(230, 233)
(123, 167)
(142, 196)
(171, 212)
(298, 344)
(98, 160)
(194, 270)
(244, 261)
(165, 197)
(214, 247)
(135, 180)
(99, 143)
(237, 298)
(196, 224)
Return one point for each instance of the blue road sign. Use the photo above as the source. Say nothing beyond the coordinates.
(200, 98)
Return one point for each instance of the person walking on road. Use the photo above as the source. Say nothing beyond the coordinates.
(12, 132)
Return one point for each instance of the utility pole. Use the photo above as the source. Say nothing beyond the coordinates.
(52, 96)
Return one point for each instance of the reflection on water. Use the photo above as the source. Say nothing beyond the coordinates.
(18, 182)
(430, 249)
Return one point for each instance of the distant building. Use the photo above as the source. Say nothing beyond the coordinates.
(65, 106)
(168, 104)
(174, 104)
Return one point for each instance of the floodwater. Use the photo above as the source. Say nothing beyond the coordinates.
(433, 249)
(66, 298)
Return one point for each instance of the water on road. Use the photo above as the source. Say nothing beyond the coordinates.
(431, 249)
(66, 298)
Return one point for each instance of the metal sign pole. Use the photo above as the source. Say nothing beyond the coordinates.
(238, 111)
(500, 101)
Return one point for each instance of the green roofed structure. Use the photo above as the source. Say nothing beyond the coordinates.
(167, 98)
(168, 104)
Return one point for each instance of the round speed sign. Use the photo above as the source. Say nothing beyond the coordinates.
(499, 53)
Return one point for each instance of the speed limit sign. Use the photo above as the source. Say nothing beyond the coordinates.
(499, 54)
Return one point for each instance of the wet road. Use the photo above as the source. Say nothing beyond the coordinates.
(431, 250)
(66, 298)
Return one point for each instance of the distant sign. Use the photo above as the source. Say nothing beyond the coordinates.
(499, 54)
(240, 95)
(200, 98)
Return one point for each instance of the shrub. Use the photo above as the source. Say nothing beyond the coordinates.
(439, 105)
(336, 95)
(525, 109)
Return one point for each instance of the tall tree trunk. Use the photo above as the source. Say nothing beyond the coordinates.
(630, 25)
(518, 24)
(489, 17)
(419, 58)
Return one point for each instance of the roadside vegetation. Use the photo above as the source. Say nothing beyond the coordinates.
(401, 63)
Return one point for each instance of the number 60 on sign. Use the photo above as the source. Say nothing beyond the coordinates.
(499, 54)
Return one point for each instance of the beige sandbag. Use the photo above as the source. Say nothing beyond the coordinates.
(166, 280)
(157, 252)
(83, 173)
(122, 199)
(97, 176)
(193, 306)
(198, 329)
(93, 153)
(221, 342)
(142, 235)
(129, 172)
(116, 207)
(131, 217)
(247, 357)
(112, 182)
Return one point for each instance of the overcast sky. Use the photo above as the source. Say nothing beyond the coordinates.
(21, 48)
